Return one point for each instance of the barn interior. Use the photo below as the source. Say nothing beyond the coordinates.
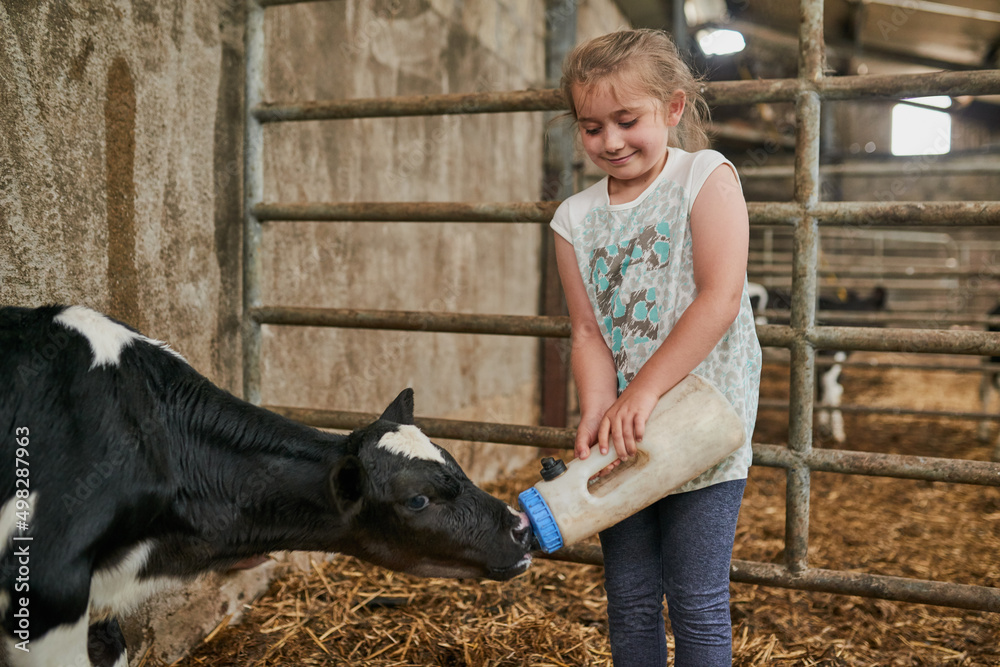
(864, 155)
(142, 144)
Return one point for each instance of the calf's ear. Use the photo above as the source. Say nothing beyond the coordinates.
(401, 409)
(347, 483)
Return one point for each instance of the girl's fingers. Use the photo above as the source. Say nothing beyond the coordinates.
(628, 438)
(640, 429)
(604, 434)
(622, 433)
(582, 446)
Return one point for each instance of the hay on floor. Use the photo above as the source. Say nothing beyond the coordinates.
(345, 612)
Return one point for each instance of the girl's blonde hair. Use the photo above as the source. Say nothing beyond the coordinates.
(648, 62)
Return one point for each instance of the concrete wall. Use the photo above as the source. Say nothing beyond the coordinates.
(405, 47)
(120, 188)
(118, 124)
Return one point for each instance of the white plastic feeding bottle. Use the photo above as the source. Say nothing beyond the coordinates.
(692, 428)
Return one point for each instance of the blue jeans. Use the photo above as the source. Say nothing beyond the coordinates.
(680, 547)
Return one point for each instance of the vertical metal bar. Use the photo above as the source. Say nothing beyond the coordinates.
(679, 27)
(253, 191)
(560, 37)
(804, 257)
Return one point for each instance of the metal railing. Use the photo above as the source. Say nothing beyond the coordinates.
(805, 214)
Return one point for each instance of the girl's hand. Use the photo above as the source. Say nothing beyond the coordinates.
(586, 434)
(624, 424)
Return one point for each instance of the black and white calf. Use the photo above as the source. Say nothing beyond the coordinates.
(124, 470)
(829, 390)
(989, 385)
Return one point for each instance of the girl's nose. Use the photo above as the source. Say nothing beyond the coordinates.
(613, 141)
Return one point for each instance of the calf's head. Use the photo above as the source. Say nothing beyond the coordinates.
(413, 509)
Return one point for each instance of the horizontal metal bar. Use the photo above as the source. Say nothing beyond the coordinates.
(826, 362)
(775, 335)
(449, 429)
(276, 3)
(403, 320)
(843, 271)
(901, 589)
(880, 214)
(927, 468)
(976, 82)
(823, 460)
(868, 214)
(413, 105)
(949, 291)
(874, 339)
(939, 319)
(898, 86)
(778, 404)
(940, 9)
(885, 169)
(540, 211)
(584, 554)
(830, 338)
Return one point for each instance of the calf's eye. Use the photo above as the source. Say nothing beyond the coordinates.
(417, 503)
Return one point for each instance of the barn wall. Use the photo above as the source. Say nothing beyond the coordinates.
(121, 129)
(384, 49)
(119, 166)
(120, 188)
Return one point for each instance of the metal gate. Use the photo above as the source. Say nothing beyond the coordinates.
(803, 215)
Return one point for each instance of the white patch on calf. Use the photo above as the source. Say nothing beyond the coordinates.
(833, 391)
(118, 589)
(409, 441)
(760, 292)
(63, 645)
(107, 338)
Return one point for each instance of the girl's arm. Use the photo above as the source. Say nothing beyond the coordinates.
(593, 365)
(720, 237)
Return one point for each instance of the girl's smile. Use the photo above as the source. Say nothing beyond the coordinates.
(625, 136)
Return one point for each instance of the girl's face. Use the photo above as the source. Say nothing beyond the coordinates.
(625, 135)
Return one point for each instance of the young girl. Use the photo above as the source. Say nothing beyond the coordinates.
(653, 263)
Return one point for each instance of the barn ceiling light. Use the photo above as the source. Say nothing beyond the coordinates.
(938, 101)
(919, 129)
(720, 42)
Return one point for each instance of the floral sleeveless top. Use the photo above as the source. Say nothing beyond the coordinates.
(636, 261)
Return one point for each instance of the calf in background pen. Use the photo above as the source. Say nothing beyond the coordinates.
(124, 470)
(988, 386)
(829, 389)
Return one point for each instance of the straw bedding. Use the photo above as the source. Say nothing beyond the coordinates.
(345, 612)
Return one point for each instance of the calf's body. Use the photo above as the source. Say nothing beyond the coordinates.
(124, 471)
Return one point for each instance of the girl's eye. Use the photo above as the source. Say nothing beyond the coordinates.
(592, 131)
(629, 123)
(417, 503)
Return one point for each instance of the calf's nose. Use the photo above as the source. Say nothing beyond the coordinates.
(522, 532)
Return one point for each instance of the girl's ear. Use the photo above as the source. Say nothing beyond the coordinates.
(675, 109)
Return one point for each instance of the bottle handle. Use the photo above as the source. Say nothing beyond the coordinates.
(583, 469)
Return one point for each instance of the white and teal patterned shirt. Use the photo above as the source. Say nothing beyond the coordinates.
(637, 264)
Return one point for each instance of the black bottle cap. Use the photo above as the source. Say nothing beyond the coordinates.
(552, 468)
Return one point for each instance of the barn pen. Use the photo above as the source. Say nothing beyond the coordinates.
(787, 237)
(801, 222)
(361, 269)
(805, 216)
